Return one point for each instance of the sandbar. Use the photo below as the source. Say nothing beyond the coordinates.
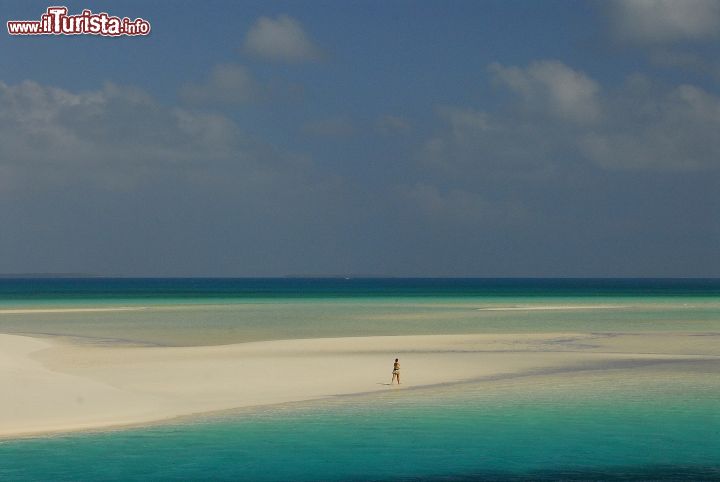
(55, 385)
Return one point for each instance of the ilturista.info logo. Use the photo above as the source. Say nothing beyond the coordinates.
(56, 21)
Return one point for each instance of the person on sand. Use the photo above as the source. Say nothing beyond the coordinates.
(396, 372)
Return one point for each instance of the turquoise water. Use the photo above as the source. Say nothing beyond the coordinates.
(646, 423)
(655, 422)
(241, 321)
(218, 311)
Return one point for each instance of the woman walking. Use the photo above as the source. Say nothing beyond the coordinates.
(396, 372)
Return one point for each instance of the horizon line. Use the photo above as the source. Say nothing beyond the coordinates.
(340, 276)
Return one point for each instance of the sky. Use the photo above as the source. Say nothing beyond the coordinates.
(381, 138)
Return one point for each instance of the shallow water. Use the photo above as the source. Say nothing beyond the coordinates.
(650, 422)
(241, 321)
(220, 311)
(659, 422)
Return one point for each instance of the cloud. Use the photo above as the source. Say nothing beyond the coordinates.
(673, 130)
(390, 125)
(462, 141)
(120, 138)
(464, 122)
(644, 126)
(664, 21)
(227, 84)
(453, 205)
(113, 181)
(491, 149)
(670, 58)
(42, 125)
(552, 87)
(280, 40)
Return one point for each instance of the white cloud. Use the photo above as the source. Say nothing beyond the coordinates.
(115, 137)
(664, 21)
(472, 144)
(280, 40)
(464, 123)
(389, 125)
(227, 84)
(40, 124)
(675, 130)
(644, 126)
(552, 87)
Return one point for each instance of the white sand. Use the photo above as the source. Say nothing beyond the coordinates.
(53, 385)
(551, 307)
(31, 311)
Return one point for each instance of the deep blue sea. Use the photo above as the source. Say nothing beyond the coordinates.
(19, 290)
(660, 422)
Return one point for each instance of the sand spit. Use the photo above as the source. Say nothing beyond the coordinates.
(52, 385)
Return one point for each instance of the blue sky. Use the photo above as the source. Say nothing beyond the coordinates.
(406, 138)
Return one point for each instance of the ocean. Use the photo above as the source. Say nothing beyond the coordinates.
(658, 421)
